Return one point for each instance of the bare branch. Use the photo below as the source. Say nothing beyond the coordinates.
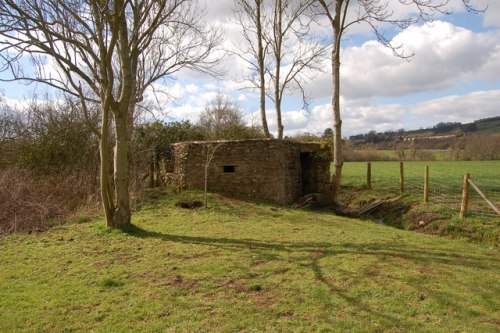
(105, 53)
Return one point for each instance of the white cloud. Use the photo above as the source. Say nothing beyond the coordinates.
(491, 17)
(184, 112)
(357, 118)
(362, 116)
(192, 89)
(218, 10)
(465, 108)
(17, 104)
(444, 54)
(210, 85)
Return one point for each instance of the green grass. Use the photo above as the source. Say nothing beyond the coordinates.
(445, 190)
(356, 171)
(446, 174)
(244, 267)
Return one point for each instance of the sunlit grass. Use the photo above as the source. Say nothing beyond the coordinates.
(387, 173)
(445, 194)
(241, 266)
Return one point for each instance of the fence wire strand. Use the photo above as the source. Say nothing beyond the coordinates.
(444, 187)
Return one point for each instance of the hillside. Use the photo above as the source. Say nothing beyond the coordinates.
(491, 125)
(445, 131)
(241, 266)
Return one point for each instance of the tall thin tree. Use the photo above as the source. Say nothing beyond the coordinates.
(296, 53)
(279, 48)
(250, 16)
(341, 15)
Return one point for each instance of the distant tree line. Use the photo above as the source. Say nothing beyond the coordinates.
(471, 146)
(442, 128)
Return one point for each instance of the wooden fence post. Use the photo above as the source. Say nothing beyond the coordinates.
(426, 184)
(485, 198)
(369, 176)
(465, 196)
(401, 178)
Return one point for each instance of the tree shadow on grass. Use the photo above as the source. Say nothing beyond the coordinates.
(312, 252)
(390, 248)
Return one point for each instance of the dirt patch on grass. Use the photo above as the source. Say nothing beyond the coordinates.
(179, 281)
(232, 201)
(263, 297)
(235, 285)
(189, 204)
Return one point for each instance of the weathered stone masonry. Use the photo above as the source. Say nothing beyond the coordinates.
(275, 170)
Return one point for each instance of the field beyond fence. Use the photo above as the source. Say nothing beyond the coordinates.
(445, 181)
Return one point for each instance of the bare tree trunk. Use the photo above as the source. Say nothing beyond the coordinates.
(106, 188)
(262, 70)
(211, 148)
(122, 213)
(277, 53)
(278, 114)
(337, 127)
(337, 121)
(121, 112)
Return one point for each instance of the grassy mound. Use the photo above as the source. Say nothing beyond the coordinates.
(240, 266)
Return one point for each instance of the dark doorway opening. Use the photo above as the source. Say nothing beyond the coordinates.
(309, 173)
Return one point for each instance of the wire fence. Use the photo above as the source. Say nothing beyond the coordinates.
(444, 187)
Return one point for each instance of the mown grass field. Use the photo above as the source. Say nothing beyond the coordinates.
(241, 266)
(445, 177)
(354, 173)
(441, 214)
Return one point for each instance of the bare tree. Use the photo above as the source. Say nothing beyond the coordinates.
(105, 52)
(280, 49)
(210, 150)
(343, 14)
(221, 115)
(249, 14)
(295, 52)
(483, 146)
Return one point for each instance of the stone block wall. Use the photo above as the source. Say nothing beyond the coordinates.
(275, 170)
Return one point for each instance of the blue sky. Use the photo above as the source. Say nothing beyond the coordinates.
(454, 76)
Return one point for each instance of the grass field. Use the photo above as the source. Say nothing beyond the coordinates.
(240, 266)
(446, 177)
(445, 191)
(354, 173)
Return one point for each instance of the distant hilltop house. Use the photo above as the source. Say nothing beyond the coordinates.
(274, 170)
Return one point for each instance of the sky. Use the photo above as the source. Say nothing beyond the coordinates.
(454, 76)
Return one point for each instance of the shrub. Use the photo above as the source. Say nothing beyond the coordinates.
(482, 147)
(29, 203)
(365, 156)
